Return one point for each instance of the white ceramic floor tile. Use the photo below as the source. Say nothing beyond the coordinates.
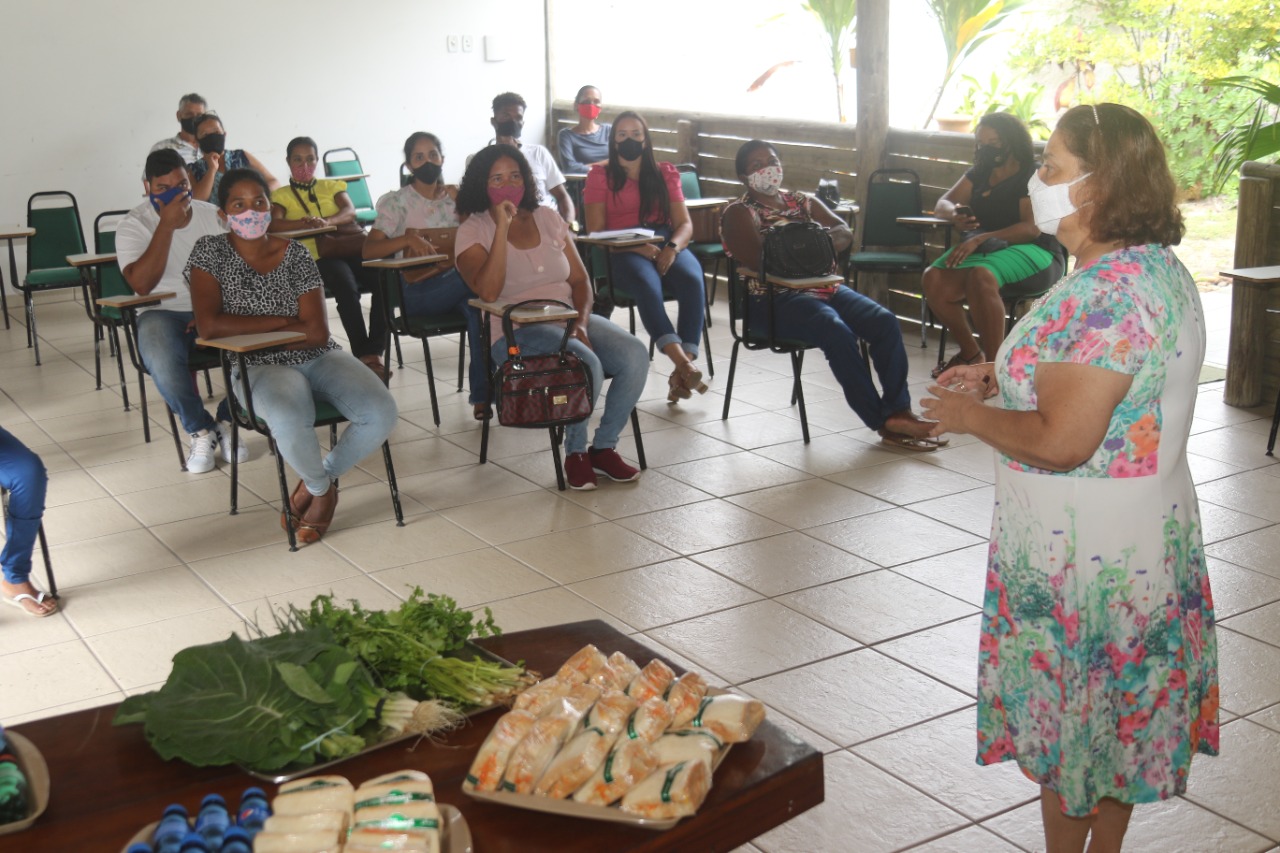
(215, 535)
(947, 652)
(465, 485)
(1253, 492)
(115, 555)
(663, 593)
(383, 545)
(808, 503)
(137, 600)
(876, 606)
(587, 552)
(1233, 445)
(653, 491)
(372, 595)
(753, 640)
(1229, 784)
(19, 632)
(268, 571)
(520, 517)
(857, 696)
(1246, 671)
(827, 454)
(976, 460)
(969, 511)
(961, 574)
(906, 481)
(937, 757)
(733, 473)
(198, 497)
(51, 676)
(894, 537)
(864, 809)
(702, 526)
(784, 563)
(143, 655)
(547, 607)
(973, 839)
(1256, 550)
(470, 578)
(752, 431)
(87, 520)
(1220, 523)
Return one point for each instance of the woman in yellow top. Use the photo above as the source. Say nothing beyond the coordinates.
(311, 202)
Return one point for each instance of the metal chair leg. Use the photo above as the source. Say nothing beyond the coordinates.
(391, 481)
(124, 384)
(48, 564)
(399, 354)
(556, 433)
(290, 522)
(1275, 425)
(728, 391)
(462, 356)
(635, 431)
(33, 339)
(431, 382)
(797, 362)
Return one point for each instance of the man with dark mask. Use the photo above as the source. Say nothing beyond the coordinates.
(190, 108)
(508, 124)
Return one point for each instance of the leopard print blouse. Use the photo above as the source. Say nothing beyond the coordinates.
(248, 293)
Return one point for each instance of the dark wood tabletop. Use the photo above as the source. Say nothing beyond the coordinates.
(107, 782)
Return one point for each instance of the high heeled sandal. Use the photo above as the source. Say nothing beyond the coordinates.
(691, 377)
(310, 531)
(298, 503)
(677, 390)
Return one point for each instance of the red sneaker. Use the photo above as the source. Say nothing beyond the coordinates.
(578, 471)
(609, 463)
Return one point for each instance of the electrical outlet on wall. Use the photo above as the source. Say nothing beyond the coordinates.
(468, 42)
(452, 42)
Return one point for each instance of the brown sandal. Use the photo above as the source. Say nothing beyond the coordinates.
(299, 501)
(375, 364)
(309, 529)
(956, 361)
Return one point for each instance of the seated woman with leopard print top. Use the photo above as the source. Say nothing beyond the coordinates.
(248, 281)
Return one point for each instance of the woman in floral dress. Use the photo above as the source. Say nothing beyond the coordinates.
(1097, 662)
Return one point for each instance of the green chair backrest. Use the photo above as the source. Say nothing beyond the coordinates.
(689, 182)
(110, 279)
(58, 233)
(357, 189)
(886, 201)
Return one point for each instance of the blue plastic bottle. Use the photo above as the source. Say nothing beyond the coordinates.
(172, 829)
(213, 820)
(237, 840)
(254, 811)
(195, 843)
(140, 847)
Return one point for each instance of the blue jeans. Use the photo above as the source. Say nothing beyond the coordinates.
(447, 293)
(165, 343)
(636, 277)
(23, 474)
(835, 327)
(613, 351)
(285, 396)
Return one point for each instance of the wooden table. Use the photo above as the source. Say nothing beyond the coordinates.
(135, 301)
(11, 233)
(358, 177)
(404, 263)
(704, 215)
(1251, 291)
(808, 283)
(108, 783)
(928, 223)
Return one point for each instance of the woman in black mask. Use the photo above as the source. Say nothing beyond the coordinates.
(215, 160)
(1002, 253)
(409, 219)
(634, 190)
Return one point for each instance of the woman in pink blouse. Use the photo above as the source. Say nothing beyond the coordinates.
(633, 190)
(511, 249)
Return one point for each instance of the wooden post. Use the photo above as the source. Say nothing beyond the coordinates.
(873, 112)
(686, 142)
(1247, 348)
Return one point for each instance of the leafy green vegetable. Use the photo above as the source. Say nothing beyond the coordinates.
(263, 704)
(415, 648)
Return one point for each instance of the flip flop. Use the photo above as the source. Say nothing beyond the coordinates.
(908, 442)
(38, 598)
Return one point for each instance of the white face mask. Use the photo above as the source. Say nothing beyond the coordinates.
(1051, 203)
(766, 181)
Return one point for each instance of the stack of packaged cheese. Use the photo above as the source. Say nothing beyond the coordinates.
(603, 729)
(324, 814)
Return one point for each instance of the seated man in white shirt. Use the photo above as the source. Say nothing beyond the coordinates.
(190, 108)
(508, 124)
(152, 245)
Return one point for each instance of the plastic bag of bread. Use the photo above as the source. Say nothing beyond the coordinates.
(609, 677)
(406, 817)
(675, 791)
(626, 668)
(491, 761)
(394, 793)
(652, 681)
(687, 745)
(314, 794)
(628, 763)
(334, 822)
(684, 696)
(648, 721)
(296, 842)
(610, 712)
(734, 719)
(574, 764)
(539, 698)
(581, 665)
(406, 775)
(369, 840)
(574, 704)
(533, 754)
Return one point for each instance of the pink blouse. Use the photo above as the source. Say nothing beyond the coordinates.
(538, 273)
(622, 209)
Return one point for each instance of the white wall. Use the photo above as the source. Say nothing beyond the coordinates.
(90, 86)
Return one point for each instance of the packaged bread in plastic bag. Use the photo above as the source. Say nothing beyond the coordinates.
(581, 665)
(530, 758)
(652, 681)
(491, 761)
(628, 763)
(684, 695)
(648, 721)
(610, 712)
(734, 719)
(687, 745)
(539, 698)
(575, 763)
(675, 791)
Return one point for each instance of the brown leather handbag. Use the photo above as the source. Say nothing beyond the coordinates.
(538, 391)
(347, 243)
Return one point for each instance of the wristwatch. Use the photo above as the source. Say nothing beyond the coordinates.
(670, 244)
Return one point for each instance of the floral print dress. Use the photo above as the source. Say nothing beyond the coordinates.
(1097, 662)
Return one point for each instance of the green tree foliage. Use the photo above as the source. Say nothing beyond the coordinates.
(1159, 56)
(965, 26)
(1255, 138)
(838, 20)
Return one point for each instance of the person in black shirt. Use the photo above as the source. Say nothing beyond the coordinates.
(1002, 253)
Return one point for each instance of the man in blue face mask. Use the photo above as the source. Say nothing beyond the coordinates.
(190, 108)
(152, 244)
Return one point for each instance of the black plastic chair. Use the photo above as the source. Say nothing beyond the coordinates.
(888, 246)
(59, 233)
(746, 329)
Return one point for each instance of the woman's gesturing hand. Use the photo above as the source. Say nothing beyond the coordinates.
(665, 258)
(503, 212)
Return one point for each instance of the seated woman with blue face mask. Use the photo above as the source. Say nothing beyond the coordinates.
(246, 282)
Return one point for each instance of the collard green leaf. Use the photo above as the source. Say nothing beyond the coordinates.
(299, 681)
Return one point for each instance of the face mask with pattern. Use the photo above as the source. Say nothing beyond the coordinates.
(249, 225)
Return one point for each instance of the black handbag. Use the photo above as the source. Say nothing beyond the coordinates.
(798, 250)
(541, 390)
(828, 192)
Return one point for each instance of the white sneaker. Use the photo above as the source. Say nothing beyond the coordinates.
(224, 442)
(200, 460)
